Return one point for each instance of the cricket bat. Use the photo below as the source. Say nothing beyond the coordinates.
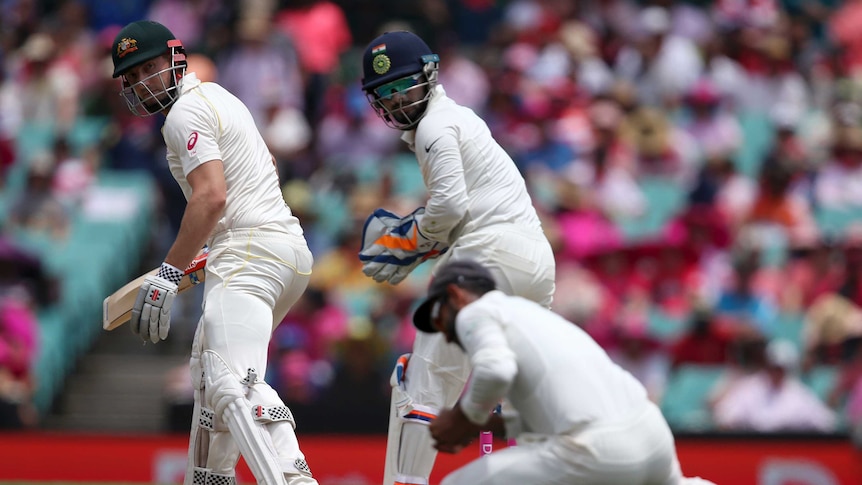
(117, 308)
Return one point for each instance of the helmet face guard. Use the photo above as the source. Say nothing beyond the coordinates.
(407, 113)
(396, 66)
(155, 101)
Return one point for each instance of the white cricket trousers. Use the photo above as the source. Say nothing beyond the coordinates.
(522, 263)
(635, 451)
(253, 278)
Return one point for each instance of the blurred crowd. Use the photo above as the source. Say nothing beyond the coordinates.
(697, 166)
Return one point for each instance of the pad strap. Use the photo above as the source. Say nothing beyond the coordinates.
(421, 414)
(204, 476)
(207, 419)
(271, 414)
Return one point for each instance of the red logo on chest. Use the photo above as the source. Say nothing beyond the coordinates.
(193, 139)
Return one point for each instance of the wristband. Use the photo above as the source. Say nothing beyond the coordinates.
(171, 273)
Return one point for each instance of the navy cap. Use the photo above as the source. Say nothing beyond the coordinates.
(464, 273)
(392, 56)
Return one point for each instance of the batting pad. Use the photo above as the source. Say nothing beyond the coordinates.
(227, 397)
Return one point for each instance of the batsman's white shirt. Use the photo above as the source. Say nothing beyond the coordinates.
(209, 123)
(258, 266)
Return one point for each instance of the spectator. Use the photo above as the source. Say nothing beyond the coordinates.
(262, 69)
(839, 182)
(740, 309)
(846, 394)
(814, 269)
(777, 207)
(663, 150)
(320, 33)
(702, 343)
(664, 66)
(37, 211)
(18, 347)
(46, 92)
(830, 321)
(773, 399)
(714, 129)
(641, 355)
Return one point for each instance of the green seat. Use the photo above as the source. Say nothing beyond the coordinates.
(664, 198)
(665, 327)
(684, 403)
(834, 222)
(757, 141)
(821, 379)
(788, 326)
(98, 257)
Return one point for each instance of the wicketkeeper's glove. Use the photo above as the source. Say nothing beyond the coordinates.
(392, 246)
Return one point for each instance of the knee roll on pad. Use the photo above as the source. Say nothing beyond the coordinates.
(226, 396)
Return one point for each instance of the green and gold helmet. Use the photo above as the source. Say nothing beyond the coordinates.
(139, 42)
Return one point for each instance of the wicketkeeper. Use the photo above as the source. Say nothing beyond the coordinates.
(478, 208)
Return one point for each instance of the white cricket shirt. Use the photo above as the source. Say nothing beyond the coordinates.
(557, 377)
(472, 182)
(209, 123)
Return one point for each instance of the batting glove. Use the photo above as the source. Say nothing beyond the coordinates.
(151, 314)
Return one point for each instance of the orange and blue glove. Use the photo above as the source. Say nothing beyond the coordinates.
(392, 246)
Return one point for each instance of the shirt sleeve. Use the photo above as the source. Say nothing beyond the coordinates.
(191, 131)
(439, 155)
(494, 364)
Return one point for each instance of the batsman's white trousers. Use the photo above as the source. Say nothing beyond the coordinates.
(639, 450)
(522, 263)
(254, 276)
(272, 266)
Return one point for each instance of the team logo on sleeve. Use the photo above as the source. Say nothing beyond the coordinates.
(193, 140)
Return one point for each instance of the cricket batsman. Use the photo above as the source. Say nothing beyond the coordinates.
(258, 264)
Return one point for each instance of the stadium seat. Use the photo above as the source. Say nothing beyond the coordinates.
(685, 399)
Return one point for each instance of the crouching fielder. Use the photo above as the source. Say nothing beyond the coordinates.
(578, 417)
(257, 268)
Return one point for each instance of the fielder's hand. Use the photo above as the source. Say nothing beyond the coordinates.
(452, 430)
(151, 314)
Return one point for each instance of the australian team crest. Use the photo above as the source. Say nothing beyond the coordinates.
(380, 62)
(126, 46)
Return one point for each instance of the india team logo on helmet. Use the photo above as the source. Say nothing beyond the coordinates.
(381, 62)
(396, 63)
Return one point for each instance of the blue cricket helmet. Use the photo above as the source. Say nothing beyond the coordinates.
(394, 55)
